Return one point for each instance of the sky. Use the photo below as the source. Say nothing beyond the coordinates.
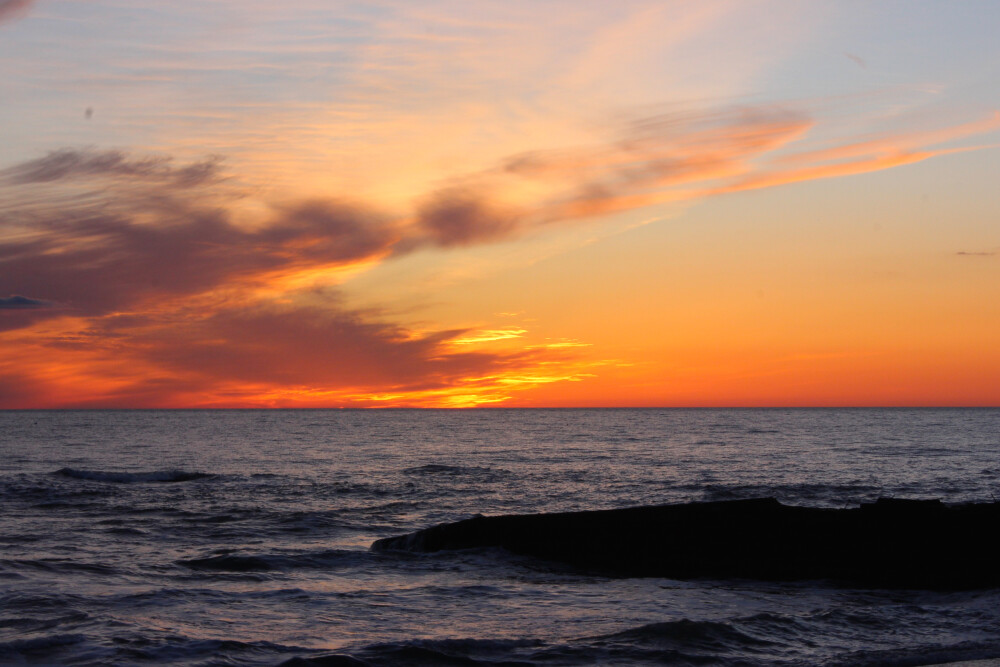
(323, 203)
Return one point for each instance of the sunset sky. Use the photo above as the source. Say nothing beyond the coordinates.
(313, 203)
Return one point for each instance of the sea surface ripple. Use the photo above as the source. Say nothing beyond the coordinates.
(242, 537)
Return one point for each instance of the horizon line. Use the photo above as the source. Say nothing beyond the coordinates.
(498, 407)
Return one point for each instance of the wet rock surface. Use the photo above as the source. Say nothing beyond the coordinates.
(890, 543)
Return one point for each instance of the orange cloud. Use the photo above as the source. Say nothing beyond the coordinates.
(490, 335)
(661, 159)
(157, 284)
(895, 143)
(657, 160)
(258, 355)
(157, 294)
(812, 173)
(862, 157)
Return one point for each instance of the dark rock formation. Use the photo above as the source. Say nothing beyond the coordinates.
(887, 544)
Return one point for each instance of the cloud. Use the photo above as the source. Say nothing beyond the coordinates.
(176, 286)
(858, 60)
(326, 231)
(655, 159)
(11, 10)
(17, 302)
(142, 231)
(663, 158)
(17, 390)
(170, 295)
(101, 230)
(72, 163)
(490, 335)
(18, 311)
(985, 253)
(262, 353)
(458, 216)
(327, 347)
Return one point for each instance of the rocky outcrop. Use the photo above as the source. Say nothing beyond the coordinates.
(888, 544)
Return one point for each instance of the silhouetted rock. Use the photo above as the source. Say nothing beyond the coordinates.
(890, 543)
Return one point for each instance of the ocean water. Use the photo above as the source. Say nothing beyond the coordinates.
(242, 537)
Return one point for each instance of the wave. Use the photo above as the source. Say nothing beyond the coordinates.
(160, 598)
(219, 651)
(845, 494)
(758, 639)
(43, 493)
(37, 649)
(57, 565)
(971, 652)
(304, 521)
(440, 469)
(469, 652)
(686, 633)
(161, 648)
(157, 649)
(132, 477)
(660, 643)
(806, 493)
(31, 624)
(228, 562)
(764, 638)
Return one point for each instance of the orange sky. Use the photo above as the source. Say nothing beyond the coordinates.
(372, 204)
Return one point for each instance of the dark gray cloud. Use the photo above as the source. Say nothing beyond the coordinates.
(463, 216)
(17, 302)
(141, 230)
(11, 10)
(324, 346)
(164, 279)
(102, 262)
(74, 163)
(325, 231)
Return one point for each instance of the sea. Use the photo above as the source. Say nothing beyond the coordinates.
(242, 537)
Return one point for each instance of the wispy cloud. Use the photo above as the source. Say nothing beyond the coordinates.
(669, 157)
(490, 335)
(73, 163)
(654, 160)
(11, 10)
